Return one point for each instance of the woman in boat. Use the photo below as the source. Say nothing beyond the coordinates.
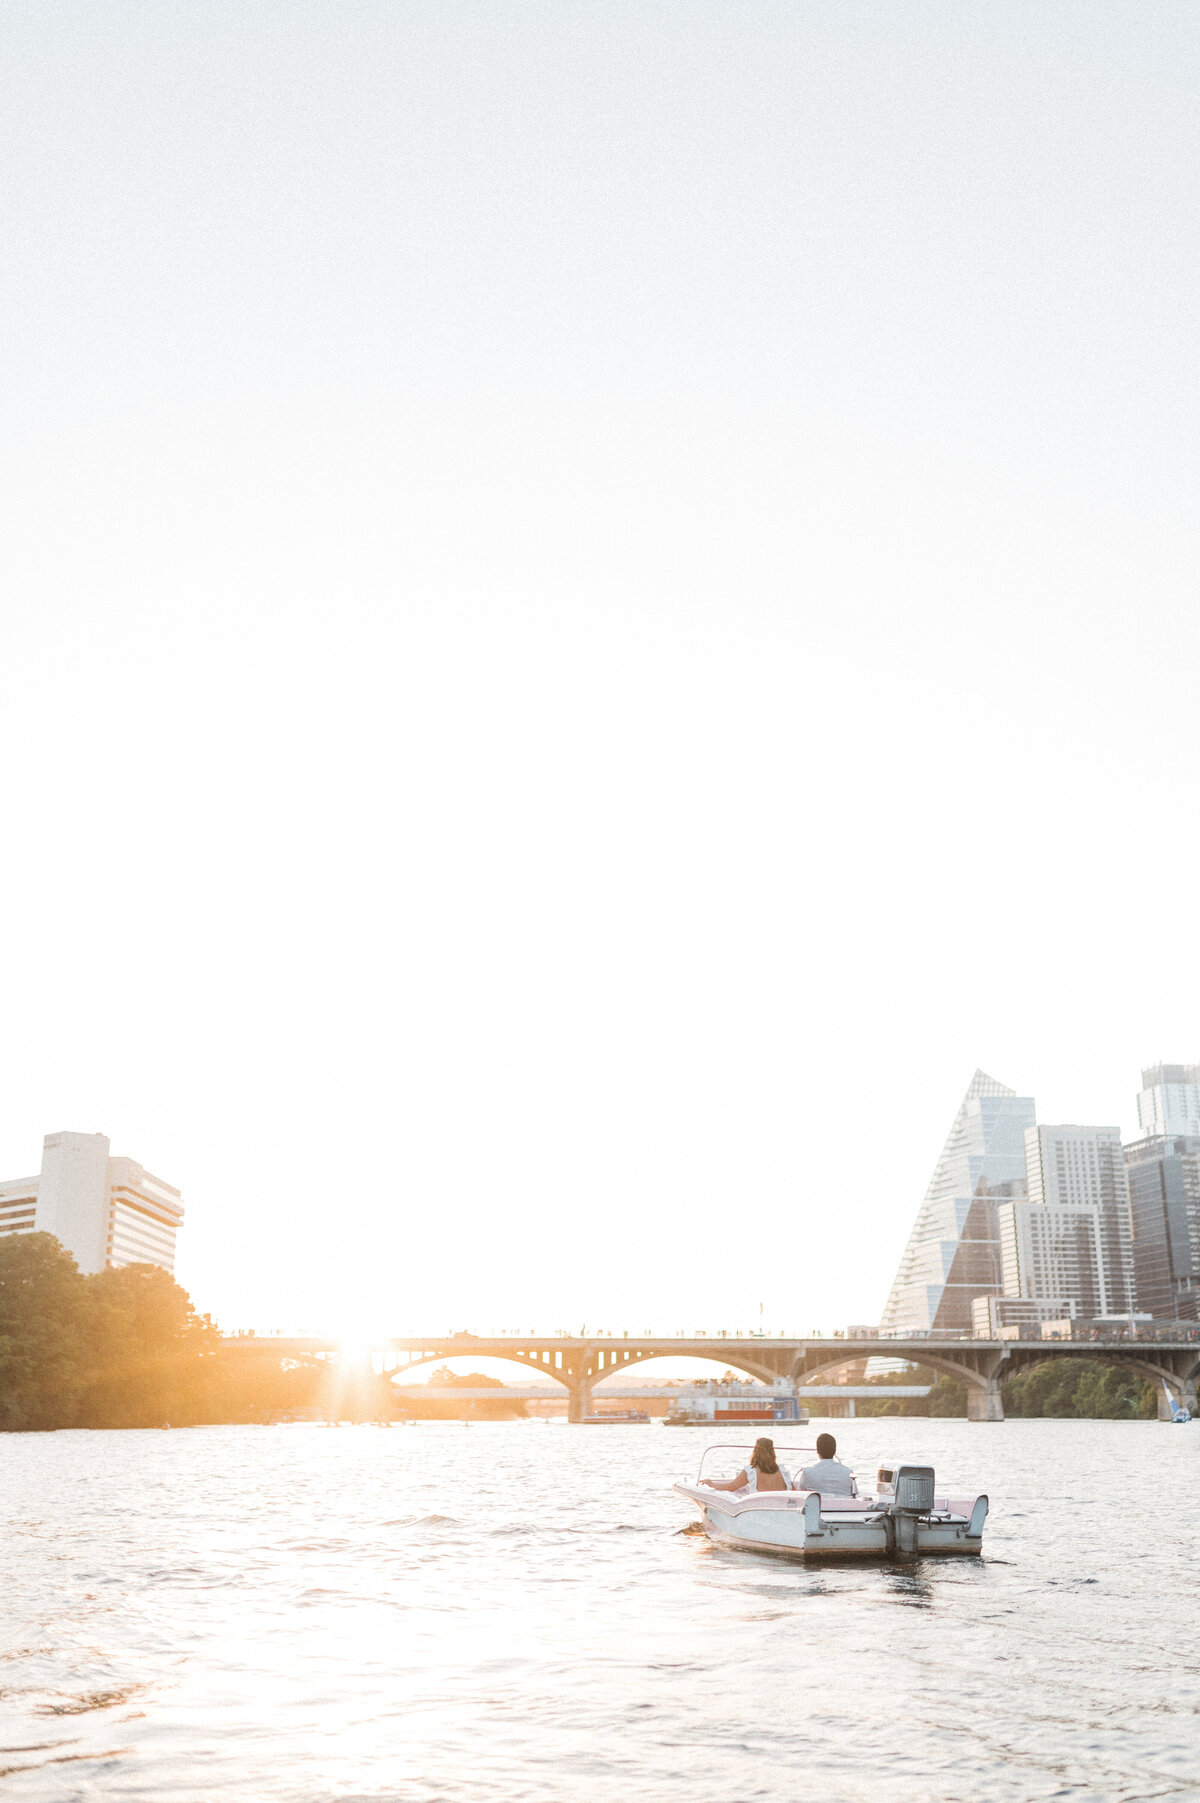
(764, 1472)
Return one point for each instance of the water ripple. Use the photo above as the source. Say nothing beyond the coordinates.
(304, 1617)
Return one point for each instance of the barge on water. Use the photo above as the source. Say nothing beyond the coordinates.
(737, 1404)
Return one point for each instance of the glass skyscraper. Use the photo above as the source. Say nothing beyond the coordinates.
(1164, 1193)
(953, 1252)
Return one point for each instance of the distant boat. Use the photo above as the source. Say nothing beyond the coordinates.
(623, 1418)
(1178, 1415)
(709, 1408)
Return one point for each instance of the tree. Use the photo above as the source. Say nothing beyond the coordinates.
(148, 1344)
(439, 1402)
(947, 1395)
(122, 1348)
(44, 1322)
(1070, 1389)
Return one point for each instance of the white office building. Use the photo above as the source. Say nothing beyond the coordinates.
(1070, 1241)
(105, 1211)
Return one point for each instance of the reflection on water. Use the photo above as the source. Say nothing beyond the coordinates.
(913, 1589)
(427, 1616)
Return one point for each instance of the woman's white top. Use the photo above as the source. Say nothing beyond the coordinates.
(752, 1474)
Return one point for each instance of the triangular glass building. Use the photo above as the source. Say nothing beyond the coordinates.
(953, 1252)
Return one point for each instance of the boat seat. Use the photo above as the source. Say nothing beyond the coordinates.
(830, 1501)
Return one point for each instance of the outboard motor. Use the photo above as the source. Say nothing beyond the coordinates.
(912, 1497)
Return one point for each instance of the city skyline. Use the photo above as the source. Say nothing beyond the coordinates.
(1026, 1222)
(1037, 1217)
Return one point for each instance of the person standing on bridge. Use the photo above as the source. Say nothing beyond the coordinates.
(764, 1472)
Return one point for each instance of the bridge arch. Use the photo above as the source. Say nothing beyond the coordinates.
(979, 1367)
(444, 1355)
(744, 1367)
(1179, 1378)
(579, 1366)
(1176, 1368)
(810, 1365)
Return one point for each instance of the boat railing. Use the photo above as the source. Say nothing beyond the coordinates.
(741, 1451)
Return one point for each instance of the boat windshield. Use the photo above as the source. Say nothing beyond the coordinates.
(727, 1460)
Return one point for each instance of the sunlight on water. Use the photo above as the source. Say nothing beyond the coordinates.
(509, 1613)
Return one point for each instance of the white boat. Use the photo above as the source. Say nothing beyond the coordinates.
(905, 1515)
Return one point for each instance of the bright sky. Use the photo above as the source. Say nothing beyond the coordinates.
(599, 603)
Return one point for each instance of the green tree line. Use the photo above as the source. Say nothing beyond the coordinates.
(122, 1348)
(1087, 1388)
(947, 1395)
(1066, 1389)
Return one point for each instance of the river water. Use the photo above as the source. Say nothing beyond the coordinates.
(507, 1613)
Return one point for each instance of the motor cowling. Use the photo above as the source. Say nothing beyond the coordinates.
(912, 1497)
(912, 1490)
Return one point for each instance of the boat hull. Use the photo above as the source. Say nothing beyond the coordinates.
(788, 1525)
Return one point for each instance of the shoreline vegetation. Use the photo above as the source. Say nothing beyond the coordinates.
(125, 1348)
(1081, 1390)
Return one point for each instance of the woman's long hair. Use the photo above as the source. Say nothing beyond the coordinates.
(763, 1457)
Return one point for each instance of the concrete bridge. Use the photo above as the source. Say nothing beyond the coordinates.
(580, 1363)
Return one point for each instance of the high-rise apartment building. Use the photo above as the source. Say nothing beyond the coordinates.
(953, 1252)
(1169, 1102)
(105, 1211)
(1163, 1170)
(1070, 1239)
(1047, 1251)
(1164, 1201)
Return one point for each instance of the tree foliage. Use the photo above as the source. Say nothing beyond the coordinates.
(1081, 1389)
(46, 1332)
(440, 1403)
(947, 1396)
(147, 1350)
(122, 1348)
(125, 1348)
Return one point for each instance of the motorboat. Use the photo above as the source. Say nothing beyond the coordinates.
(905, 1516)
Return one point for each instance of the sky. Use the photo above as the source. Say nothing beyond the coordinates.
(597, 604)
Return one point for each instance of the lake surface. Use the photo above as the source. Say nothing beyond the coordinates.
(507, 1613)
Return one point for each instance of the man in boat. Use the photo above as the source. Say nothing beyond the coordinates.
(828, 1474)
